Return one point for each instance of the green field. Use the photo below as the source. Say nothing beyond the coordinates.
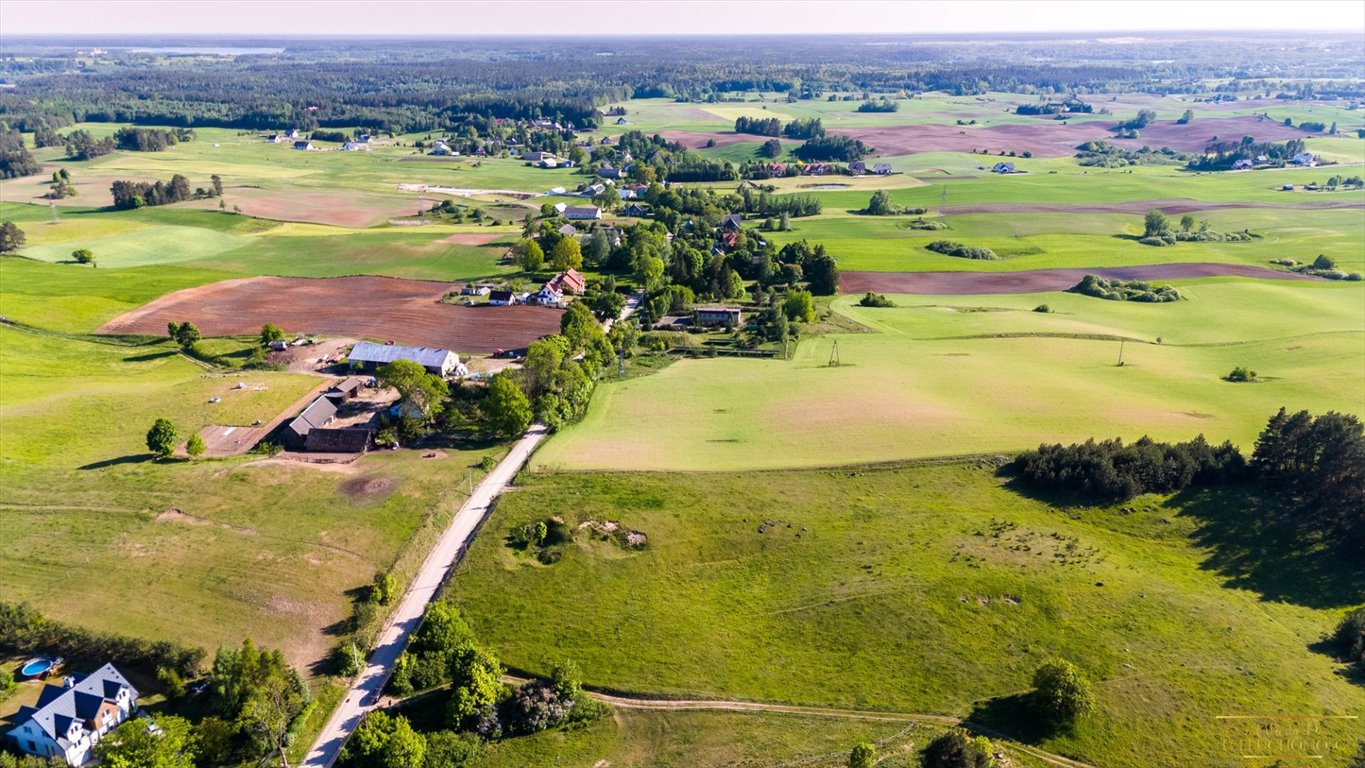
(846, 601)
(964, 375)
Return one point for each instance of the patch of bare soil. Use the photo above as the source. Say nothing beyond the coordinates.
(1040, 280)
(698, 139)
(363, 307)
(367, 487)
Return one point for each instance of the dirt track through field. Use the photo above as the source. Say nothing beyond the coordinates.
(1039, 280)
(382, 308)
(1169, 206)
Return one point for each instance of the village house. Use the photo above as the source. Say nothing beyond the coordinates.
(355, 146)
(857, 168)
(733, 221)
(568, 230)
(882, 169)
(501, 298)
(304, 145)
(70, 719)
(636, 211)
(1003, 168)
(1245, 164)
(578, 213)
(711, 316)
(1305, 159)
(569, 281)
(368, 356)
(294, 436)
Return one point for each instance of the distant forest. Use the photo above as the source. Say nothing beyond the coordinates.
(419, 85)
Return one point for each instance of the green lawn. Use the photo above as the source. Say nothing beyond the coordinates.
(942, 377)
(931, 589)
(269, 550)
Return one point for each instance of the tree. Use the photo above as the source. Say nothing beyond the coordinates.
(822, 273)
(799, 306)
(608, 305)
(598, 249)
(195, 446)
(422, 393)
(384, 587)
(162, 438)
(505, 410)
(958, 749)
(530, 257)
(880, 204)
(1186, 223)
(382, 741)
(1186, 117)
(863, 756)
(83, 256)
(578, 325)
(165, 742)
(567, 254)
(772, 148)
(260, 693)
(184, 334)
(270, 332)
(1155, 223)
(1061, 693)
(217, 185)
(11, 237)
(650, 272)
(477, 683)
(448, 749)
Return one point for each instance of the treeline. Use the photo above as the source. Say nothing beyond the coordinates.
(1103, 154)
(1072, 106)
(881, 105)
(832, 149)
(15, 159)
(150, 139)
(759, 126)
(25, 631)
(136, 194)
(1125, 290)
(1314, 465)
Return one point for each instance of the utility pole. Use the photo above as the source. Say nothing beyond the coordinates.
(1121, 352)
(834, 354)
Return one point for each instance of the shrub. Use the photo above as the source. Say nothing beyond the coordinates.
(958, 749)
(1124, 290)
(863, 756)
(1240, 374)
(1045, 309)
(871, 299)
(24, 630)
(1349, 638)
(950, 248)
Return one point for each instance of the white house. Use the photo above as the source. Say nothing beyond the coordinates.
(881, 169)
(71, 719)
(1305, 159)
(575, 213)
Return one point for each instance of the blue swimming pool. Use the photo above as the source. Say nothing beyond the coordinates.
(36, 667)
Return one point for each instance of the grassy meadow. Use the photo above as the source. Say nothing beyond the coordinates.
(929, 589)
(954, 375)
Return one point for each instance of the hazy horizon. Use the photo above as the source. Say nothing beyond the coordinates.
(663, 18)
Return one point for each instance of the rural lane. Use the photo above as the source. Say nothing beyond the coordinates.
(407, 616)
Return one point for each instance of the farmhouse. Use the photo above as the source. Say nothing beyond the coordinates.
(733, 221)
(354, 146)
(857, 167)
(70, 719)
(368, 356)
(570, 281)
(636, 210)
(501, 298)
(567, 230)
(1305, 159)
(716, 315)
(580, 213)
(882, 169)
(1245, 164)
(1003, 168)
(304, 145)
(294, 436)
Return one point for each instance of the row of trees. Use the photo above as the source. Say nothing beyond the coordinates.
(136, 194)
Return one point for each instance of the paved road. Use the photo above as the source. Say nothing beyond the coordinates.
(437, 567)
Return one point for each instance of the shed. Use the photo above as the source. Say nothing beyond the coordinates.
(369, 356)
(316, 415)
(343, 391)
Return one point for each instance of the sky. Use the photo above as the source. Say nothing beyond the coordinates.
(454, 18)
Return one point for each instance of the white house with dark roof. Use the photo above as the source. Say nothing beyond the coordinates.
(71, 719)
(369, 356)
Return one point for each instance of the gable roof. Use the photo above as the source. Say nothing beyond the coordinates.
(59, 706)
(317, 414)
(368, 352)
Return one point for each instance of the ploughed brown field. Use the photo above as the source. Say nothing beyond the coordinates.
(380, 308)
(1039, 280)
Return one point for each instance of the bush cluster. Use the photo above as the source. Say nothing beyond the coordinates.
(950, 248)
(871, 299)
(1124, 290)
(1112, 470)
